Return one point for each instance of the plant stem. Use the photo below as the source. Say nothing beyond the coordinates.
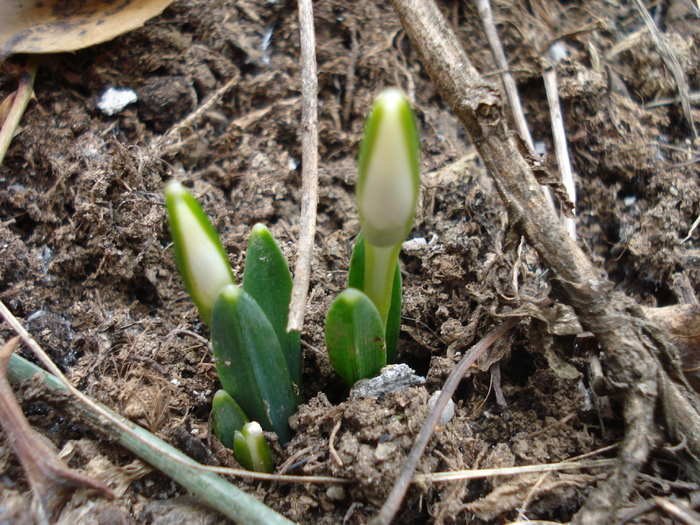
(380, 264)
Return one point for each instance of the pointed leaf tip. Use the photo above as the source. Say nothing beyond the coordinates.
(200, 256)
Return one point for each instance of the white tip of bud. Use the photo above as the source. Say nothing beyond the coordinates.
(389, 172)
(254, 429)
(200, 256)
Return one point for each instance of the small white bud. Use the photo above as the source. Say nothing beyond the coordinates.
(201, 258)
(389, 171)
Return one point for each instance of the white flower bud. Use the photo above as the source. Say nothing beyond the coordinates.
(389, 171)
(201, 258)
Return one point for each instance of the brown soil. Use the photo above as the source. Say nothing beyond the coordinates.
(86, 261)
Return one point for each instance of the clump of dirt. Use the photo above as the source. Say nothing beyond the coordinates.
(86, 261)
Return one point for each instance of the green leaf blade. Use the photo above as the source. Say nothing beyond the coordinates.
(227, 417)
(355, 337)
(268, 280)
(250, 362)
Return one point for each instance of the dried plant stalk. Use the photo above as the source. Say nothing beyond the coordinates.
(309, 167)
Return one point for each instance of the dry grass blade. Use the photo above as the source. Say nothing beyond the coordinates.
(672, 63)
(163, 142)
(511, 471)
(499, 56)
(679, 511)
(561, 150)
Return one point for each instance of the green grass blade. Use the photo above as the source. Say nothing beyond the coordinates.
(227, 417)
(356, 279)
(268, 280)
(250, 362)
(355, 336)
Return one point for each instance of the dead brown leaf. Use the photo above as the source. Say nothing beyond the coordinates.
(54, 26)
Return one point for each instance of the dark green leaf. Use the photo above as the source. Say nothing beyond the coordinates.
(355, 336)
(250, 362)
(268, 280)
(227, 417)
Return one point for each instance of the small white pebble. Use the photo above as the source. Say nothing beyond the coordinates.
(447, 413)
(335, 493)
(113, 100)
(558, 52)
(540, 147)
(384, 451)
(414, 245)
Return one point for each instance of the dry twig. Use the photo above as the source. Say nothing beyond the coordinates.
(309, 167)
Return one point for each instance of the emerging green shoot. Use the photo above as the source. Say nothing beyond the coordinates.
(355, 336)
(268, 280)
(246, 439)
(251, 449)
(200, 257)
(361, 339)
(227, 417)
(258, 362)
(250, 361)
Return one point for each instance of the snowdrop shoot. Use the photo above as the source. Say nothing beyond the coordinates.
(363, 322)
(200, 257)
